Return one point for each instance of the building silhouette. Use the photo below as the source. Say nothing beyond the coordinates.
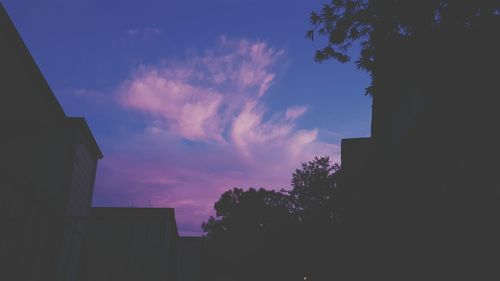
(48, 165)
(47, 170)
(130, 244)
(189, 263)
(425, 185)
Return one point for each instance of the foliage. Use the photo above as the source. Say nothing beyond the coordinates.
(254, 212)
(259, 212)
(274, 235)
(313, 190)
(248, 232)
(373, 23)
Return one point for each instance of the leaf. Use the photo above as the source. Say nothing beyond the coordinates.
(310, 34)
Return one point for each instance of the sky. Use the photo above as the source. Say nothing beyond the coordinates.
(190, 98)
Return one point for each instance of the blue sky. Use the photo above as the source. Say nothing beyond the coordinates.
(190, 98)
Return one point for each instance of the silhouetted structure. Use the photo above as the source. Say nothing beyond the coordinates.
(130, 244)
(190, 259)
(48, 163)
(425, 184)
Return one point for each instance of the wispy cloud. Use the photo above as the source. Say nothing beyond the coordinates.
(145, 31)
(214, 101)
(199, 98)
(295, 112)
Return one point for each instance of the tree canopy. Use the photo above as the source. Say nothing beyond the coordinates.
(313, 190)
(260, 234)
(375, 23)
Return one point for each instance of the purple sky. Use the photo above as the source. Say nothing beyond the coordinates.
(190, 98)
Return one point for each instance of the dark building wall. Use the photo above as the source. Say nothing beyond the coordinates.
(357, 155)
(433, 134)
(130, 244)
(355, 152)
(190, 259)
(46, 189)
(47, 170)
(78, 198)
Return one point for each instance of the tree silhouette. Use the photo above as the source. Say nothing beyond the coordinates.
(382, 25)
(247, 238)
(276, 235)
(315, 205)
(313, 191)
(251, 212)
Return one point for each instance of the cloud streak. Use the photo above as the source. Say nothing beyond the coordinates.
(147, 31)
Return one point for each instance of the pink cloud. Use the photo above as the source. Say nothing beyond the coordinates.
(215, 100)
(191, 111)
(295, 112)
(198, 98)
